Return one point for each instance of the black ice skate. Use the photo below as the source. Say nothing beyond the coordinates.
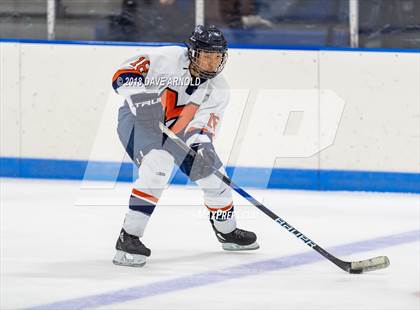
(130, 251)
(237, 240)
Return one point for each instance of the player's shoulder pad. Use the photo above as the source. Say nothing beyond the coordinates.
(168, 60)
(219, 91)
(159, 61)
(220, 82)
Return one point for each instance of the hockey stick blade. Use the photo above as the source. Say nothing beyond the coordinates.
(357, 267)
(376, 263)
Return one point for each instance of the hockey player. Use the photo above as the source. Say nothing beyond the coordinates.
(184, 89)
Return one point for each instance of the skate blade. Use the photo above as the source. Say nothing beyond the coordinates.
(131, 260)
(237, 247)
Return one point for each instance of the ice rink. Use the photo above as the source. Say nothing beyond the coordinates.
(57, 243)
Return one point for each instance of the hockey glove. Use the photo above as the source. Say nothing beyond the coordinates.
(149, 108)
(147, 134)
(203, 163)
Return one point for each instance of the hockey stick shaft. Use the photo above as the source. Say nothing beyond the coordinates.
(357, 267)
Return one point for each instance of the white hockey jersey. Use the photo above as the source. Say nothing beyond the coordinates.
(191, 107)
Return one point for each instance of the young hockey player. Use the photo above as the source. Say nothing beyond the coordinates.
(182, 87)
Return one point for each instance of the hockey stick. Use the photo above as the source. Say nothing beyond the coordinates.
(371, 264)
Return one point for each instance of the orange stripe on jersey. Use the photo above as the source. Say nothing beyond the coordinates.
(144, 195)
(122, 71)
(221, 209)
(140, 66)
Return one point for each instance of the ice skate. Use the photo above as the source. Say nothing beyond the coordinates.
(237, 240)
(130, 251)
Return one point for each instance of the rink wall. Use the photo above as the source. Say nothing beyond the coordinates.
(319, 119)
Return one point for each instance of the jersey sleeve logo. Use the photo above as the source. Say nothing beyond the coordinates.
(136, 70)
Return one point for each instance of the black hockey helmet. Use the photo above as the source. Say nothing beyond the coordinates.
(208, 39)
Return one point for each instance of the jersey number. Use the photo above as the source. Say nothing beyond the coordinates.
(213, 121)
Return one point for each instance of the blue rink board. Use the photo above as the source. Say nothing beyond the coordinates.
(278, 178)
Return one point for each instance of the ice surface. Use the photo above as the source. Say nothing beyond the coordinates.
(57, 243)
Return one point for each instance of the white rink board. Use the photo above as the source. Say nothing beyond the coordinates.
(57, 103)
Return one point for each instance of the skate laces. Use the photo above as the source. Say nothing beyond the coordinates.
(240, 233)
(134, 239)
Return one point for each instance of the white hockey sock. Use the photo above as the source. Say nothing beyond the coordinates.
(135, 222)
(223, 218)
(226, 226)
